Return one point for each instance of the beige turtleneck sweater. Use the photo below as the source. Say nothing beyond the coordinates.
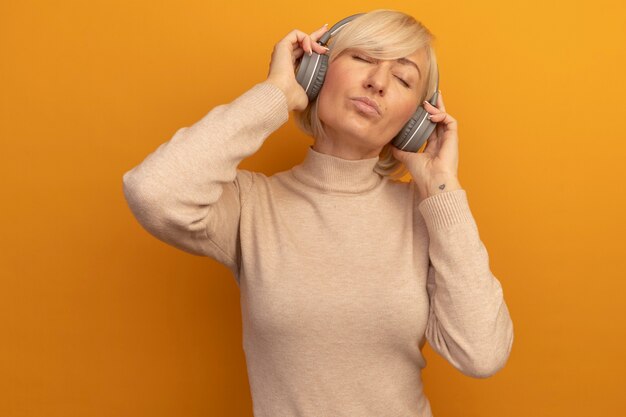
(343, 275)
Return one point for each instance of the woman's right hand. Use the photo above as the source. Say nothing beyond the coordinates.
(283, 64)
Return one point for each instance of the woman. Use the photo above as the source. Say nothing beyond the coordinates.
(344, 272)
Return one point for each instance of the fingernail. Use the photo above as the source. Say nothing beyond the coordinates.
(426, 102)
(310, 52)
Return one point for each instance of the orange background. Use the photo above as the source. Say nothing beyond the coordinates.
(98, 318)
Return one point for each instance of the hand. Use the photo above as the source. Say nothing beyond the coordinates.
(283, 64)
(435, 169)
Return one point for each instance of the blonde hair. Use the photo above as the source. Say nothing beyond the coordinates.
(382, 34)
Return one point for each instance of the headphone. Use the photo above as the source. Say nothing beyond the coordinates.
(312, 71)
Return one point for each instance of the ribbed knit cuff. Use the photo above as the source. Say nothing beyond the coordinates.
(271, 101)
(446, 209)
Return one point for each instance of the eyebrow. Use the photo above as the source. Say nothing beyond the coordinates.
(405, 61)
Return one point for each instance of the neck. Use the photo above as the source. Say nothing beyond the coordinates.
(330, 173)
(343, 150)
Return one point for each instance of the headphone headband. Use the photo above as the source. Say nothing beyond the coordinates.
(336, 28)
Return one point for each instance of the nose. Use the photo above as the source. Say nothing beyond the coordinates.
(377, 80)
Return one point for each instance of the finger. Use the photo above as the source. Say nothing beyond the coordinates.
(398, 154)
(319, 48)
(444, 119)
(450, 122)
(303, 40)
(315, 36)
(298, 39)
(320, 32)
(437, 117)
(434, 114)
(402, 156)
(430, 108)
(440, 104)
(297, 54)
(307, 45)
(432, 142)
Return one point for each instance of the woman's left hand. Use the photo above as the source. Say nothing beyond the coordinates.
(435, 169)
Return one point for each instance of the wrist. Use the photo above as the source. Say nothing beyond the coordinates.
(284, 88)
(439, 184)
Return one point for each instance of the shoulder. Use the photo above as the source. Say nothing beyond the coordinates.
(253, 182)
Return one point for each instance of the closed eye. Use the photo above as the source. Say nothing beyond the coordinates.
(403, 82)
(360, 58)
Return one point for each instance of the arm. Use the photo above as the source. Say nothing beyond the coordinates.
(189, 192)
(469, 322)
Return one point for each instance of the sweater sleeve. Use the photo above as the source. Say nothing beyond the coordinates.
(469, 322)
(188, 192)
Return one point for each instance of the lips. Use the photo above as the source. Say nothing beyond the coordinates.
(366, 103)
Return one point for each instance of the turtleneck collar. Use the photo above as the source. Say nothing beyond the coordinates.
(331, 173)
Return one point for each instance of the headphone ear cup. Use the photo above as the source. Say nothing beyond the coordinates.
(415, 132)
(319, 76)
(311, 73)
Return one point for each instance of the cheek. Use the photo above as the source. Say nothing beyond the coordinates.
(403, 113)
(409, 110)
(412, 105)
(329, 98)
(323, 104)
(337, 80)
(331, 74)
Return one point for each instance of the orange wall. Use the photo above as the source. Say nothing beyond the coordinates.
(98, 318)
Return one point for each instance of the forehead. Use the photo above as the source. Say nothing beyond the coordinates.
(419, 58)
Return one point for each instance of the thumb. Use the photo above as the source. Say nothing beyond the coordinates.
(398, 154)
